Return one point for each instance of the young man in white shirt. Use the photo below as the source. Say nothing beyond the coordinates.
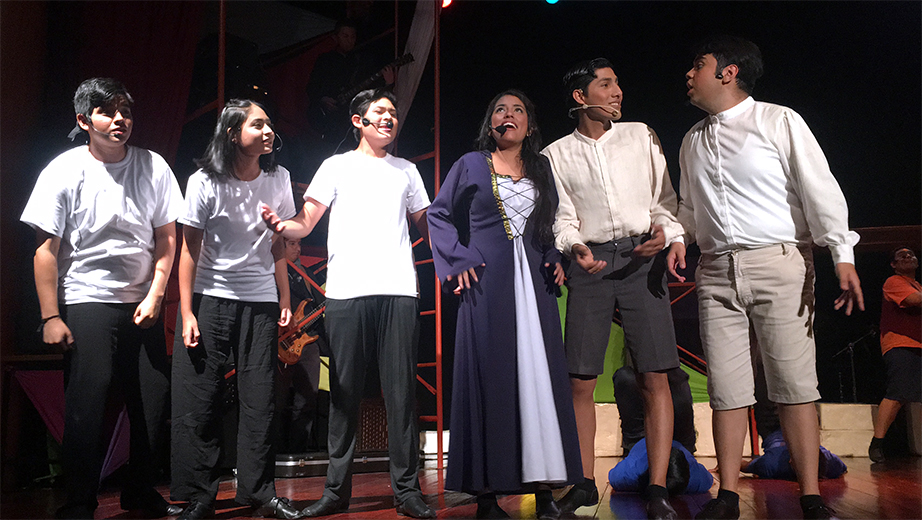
(104, 218)
(756, 194)
(372, 298)
(616, 214)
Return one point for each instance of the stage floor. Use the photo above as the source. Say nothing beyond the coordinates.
(888, 490)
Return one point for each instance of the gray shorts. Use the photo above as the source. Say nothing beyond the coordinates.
(634, 286)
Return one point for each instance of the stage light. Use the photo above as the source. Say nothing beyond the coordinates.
(551, 1)
(446, 3)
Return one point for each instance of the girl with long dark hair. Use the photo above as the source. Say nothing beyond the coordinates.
(512, 422)
(234, 293)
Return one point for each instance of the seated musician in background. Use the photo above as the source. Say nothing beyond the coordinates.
(297, 393)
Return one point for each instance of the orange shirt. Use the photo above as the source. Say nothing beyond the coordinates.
(900, 326)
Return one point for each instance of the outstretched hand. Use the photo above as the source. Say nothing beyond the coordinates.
(271, 219)
(851, 288)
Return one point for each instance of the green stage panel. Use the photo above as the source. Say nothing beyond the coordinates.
(614, 359)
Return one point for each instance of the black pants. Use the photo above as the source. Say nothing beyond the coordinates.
(246, 334)
(112, 360)
(630, 407)
(361, 330)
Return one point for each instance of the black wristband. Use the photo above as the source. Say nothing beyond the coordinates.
(46, 320)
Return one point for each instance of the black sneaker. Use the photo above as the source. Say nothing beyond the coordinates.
(580, 495)
(660, 509)
(820, 511)
(718, 509)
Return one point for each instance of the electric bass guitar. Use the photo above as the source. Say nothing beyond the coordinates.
(292, 342)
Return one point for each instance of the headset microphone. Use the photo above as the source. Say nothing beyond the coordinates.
(389, 123)
(107, 134)
(501, 129)
(615, 113)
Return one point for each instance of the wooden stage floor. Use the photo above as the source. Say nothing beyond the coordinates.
(888, 490)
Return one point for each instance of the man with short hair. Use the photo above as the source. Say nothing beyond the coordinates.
(372, 305)
(756, 194)
(617, 212)
(900, 343)
(105, 222)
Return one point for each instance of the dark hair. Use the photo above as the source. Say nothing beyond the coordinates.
(896, 250)
(221, 154)
(732, 50)
(363, 100)
(535, 166)
(99, 92)
(581, 75)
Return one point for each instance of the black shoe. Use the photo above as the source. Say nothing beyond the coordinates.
(876, 450)
(323, 507)
(718, 509)
(578, 497)
(278, 507)
(488, 508)
(150, 502)
(74, 512)
(820, 511)
(547, 510)
(196, 511)
(660, 509)
(415, 507)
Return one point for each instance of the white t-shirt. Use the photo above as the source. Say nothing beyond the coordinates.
(236, 257)
(369, 241)
(105, 215)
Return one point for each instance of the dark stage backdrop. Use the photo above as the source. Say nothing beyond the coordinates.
(852, 69)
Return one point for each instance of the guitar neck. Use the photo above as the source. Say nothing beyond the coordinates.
(347, 96)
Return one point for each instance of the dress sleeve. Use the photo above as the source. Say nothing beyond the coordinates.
(551, 255)
(450, 211)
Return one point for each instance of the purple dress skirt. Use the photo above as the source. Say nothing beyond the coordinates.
(512, 422)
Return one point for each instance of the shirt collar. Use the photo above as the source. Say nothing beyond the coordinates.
(604, 137)
(735, 110)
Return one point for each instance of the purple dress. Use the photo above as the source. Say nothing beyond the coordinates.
(481, 218)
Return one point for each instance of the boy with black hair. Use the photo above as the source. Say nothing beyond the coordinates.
(104, 217)
(371, 309)
(757, 192)
(617, 213)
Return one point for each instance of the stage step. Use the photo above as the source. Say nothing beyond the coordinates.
(845, 429)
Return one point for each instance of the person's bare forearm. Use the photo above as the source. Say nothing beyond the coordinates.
(45, 265)
(188, 262)
(164, 252)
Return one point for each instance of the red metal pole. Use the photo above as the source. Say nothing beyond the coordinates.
(440, 427)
